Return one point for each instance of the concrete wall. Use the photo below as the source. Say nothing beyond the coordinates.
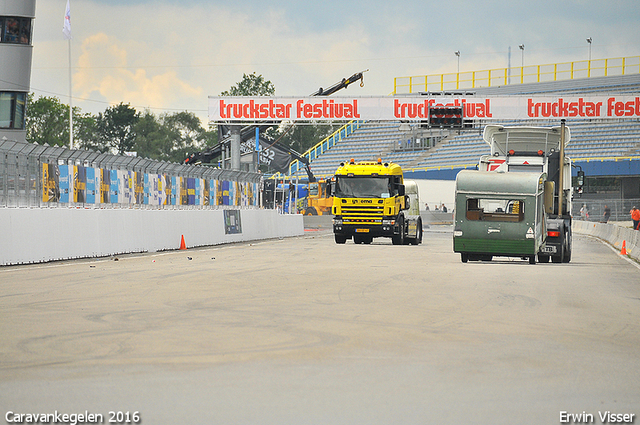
(614, 234)
(46, 234)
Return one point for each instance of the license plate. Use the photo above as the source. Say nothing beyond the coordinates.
(549, 249)
(362, 230)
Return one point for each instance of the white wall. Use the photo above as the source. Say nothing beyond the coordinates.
(45, 234)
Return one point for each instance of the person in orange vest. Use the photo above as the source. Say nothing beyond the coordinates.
(635, 216)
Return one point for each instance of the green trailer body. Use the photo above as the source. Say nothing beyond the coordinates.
(499, 214)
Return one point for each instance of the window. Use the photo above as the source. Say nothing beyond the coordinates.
(12, 110)
(313, 189)
(15, 30)
(364, 187)
(484, 209)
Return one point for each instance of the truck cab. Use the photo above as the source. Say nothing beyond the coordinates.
(370, 200)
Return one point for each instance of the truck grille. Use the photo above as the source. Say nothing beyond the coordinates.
(362, 214)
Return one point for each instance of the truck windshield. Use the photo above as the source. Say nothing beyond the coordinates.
(364, 187)
(313, 189)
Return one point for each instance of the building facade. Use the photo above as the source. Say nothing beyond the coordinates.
(16, 47)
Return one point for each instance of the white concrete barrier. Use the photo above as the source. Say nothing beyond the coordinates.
(614, 234)
(48, 234)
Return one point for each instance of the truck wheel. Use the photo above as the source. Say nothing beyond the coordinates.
(532, 259)
(567, 251)
(418, 239)
(311, 211)
(368, 240)
(464, 257)
(341, 239)
(543, 258)
(559, 258)
(357, 239)
(399, 238)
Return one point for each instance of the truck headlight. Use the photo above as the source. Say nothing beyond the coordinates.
(388, 222)
(337, 221)
(457, 233)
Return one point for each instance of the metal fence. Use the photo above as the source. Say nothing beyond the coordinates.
(620, 209)
(33, 175)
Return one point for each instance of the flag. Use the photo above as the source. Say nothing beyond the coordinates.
(66, 29)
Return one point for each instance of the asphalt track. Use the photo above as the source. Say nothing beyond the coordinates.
(304, 331)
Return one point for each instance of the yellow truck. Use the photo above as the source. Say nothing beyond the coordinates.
(371, 199)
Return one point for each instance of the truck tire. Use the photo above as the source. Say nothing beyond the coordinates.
(464, 257)
(532, 259)
(418, 239)
(340, 239)
(543, 258)
(559, 258)
(567, 252)
(399, 238)
(311, 211)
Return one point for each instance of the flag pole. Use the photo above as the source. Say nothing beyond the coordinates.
(70, 101)
(66, 30)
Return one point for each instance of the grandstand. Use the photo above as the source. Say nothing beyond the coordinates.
(602, 148)
(590, 140)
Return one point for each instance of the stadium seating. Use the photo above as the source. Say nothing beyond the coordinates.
(595, 139)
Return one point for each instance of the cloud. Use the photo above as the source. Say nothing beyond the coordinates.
(103, 68)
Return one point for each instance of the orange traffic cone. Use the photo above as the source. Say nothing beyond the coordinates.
(182, 244)
(624, 248)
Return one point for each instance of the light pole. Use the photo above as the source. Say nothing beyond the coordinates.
(589, 40)
(457, 53)
(522, 64)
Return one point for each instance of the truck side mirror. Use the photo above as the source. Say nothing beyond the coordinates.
(331, 189)
(401, 189)
(580, 178)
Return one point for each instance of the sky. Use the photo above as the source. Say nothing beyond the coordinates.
(169, 56)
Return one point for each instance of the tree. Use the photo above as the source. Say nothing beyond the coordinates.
(186, 134)
(85, 131)
(115, 127)
(305, 135)
(170, 137)
(150, 139)
(48, 122)
(251, 85)
(119, 129)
